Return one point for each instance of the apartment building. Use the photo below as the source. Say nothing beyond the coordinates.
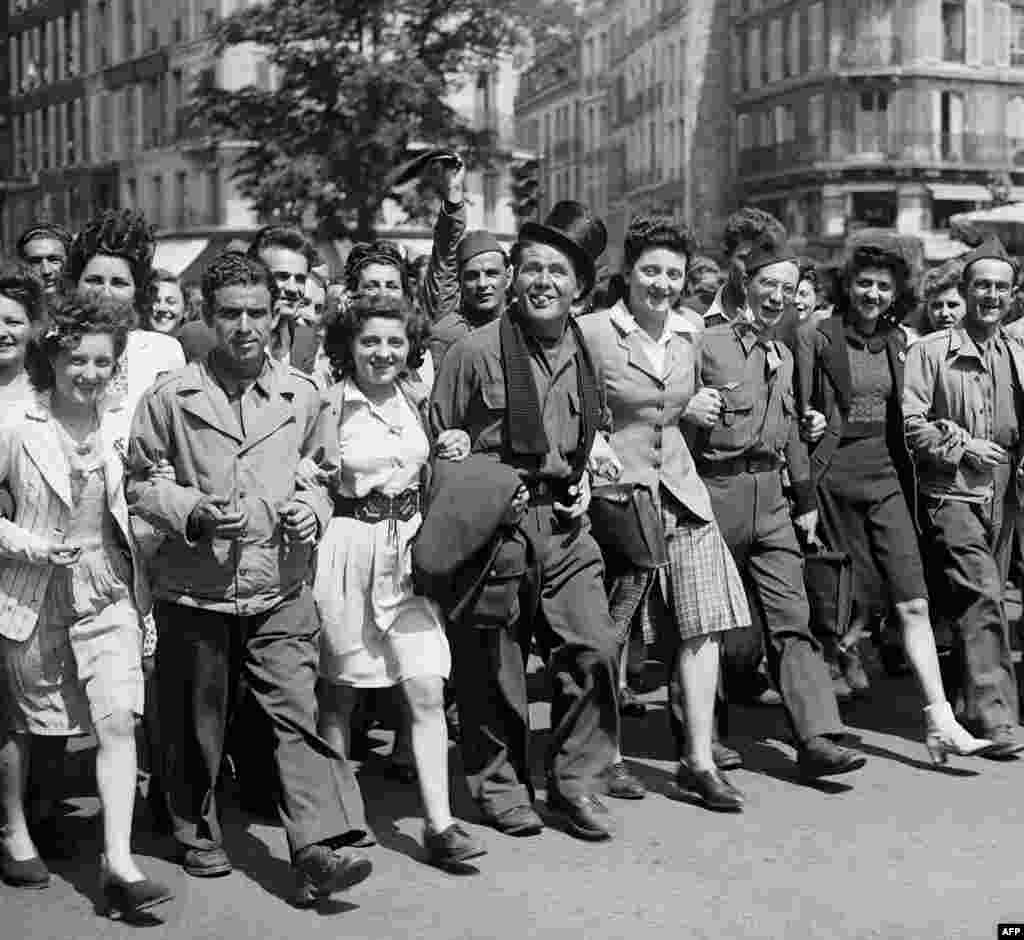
(897, 113)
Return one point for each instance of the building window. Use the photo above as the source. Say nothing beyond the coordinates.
(102, 37)
(129, 28)
(209, 19)
(775, 50)
(873, 122)
(157, 212)
(181, 213)
(951, 125)
(132, 194)
(878, 209)
(954, 31)
(754, 58)
(1017, 35)
(106, 122)
(130, 125)
(816, 123)
(792, 63)
(816, 39)
(743, 139)
(154, 38)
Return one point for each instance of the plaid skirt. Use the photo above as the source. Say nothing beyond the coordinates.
(699, 592)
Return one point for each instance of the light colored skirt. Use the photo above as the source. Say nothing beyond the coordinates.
(83, 661)
(376, 632)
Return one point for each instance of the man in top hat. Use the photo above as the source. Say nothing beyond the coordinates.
(525, 390)
(962, 407)
(741, 446)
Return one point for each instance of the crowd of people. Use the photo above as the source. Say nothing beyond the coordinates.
(298, 492)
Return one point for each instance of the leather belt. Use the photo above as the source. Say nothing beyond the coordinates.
(731, 466)
(376, 507)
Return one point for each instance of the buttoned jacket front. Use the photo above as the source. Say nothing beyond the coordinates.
(33, 464)
(646, 406)
(188, 421)
(945, 406)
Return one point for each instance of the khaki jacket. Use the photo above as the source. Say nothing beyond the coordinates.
(187, 420)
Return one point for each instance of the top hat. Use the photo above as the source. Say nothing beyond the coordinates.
(572, 229)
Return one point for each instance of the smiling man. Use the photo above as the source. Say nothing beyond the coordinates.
(747, 435)
(230, 579)
(524, 388)
(961, 400)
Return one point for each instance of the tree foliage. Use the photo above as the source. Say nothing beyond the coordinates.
(356, 83)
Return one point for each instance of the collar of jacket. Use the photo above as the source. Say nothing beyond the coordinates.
(626, 323)
(961, 344)
(196, 374)
(40, 406)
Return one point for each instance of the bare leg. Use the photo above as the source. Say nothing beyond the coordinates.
(116, 768)
(623, 662)
(425, 699)
(14, 832)
(919, 644)
(698, 677)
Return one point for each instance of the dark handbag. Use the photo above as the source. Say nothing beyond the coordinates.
(828, 579)
(625, 522)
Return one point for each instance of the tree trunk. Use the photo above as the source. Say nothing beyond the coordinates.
(366, 228)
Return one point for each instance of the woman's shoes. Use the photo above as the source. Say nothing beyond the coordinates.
(945, 736)
(128, 899)
(30, 873)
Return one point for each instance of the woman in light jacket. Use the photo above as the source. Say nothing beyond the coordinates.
(647, 351)
(72, 591)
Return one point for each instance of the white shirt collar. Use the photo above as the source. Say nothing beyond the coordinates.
(675, 322)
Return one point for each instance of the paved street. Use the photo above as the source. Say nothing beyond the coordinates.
(906, 852)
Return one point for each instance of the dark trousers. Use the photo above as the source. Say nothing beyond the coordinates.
(753, 514)
(200, 658)
(966, 573)
(546, 583)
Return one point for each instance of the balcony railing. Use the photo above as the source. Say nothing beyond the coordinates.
(871, 52)
(847, 146)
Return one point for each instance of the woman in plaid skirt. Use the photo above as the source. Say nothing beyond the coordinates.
(647, 349)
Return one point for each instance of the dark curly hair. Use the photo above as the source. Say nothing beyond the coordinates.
(234, 267)
(43, 230)
(879, 256)
(378, 252)
(71, 319)
(344, 325)
(656, 231)
(122, 234)
(283, 236)
(19, 283)
(808, 271)
(749, 224)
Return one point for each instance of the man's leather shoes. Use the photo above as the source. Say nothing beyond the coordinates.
(622, 784)
(584, 816)
(322, 871)
(820, 757)
(517, 821)
(712, 786)
(206, 863)
(725, 758)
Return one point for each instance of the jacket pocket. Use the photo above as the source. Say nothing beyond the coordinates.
(737, 404)
(493, 395)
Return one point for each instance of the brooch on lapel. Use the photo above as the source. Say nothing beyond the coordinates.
(902, 356)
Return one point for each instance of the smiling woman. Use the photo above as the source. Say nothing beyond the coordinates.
(20, 312)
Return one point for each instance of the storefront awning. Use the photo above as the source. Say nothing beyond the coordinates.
(960, 192)
(941, 246)
(176, 254)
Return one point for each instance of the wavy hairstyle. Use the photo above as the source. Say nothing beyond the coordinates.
(750, 224)
(656, 231)
(43, 230)
(20, 283)
(345, 324)
(378, 252)
(73, 318)
(121, 234)
(231, 268)
(940, 279)
(878, 256)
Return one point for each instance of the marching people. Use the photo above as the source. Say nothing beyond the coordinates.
(378, 633)
(74, 587)
(44, 247)
(961, 401)
(849, 387)
(747, 421)
(647, 356)
(230, 580)
(525, 389)
(112, 258)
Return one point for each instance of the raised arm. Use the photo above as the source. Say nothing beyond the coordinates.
(441, 293)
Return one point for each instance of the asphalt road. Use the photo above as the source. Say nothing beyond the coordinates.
(897, 850)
